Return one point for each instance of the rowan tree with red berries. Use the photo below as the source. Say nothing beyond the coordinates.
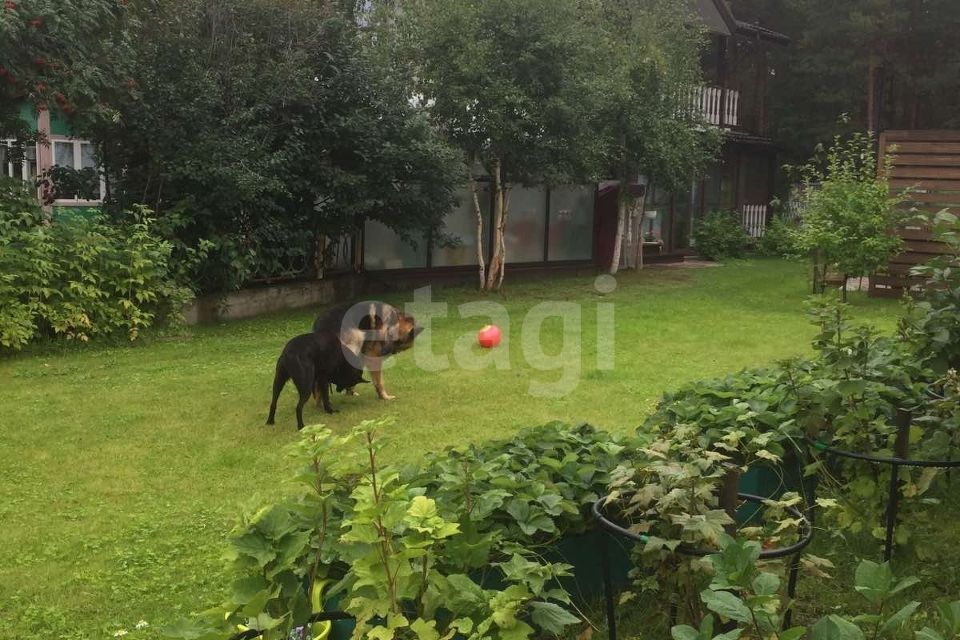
(67, 53)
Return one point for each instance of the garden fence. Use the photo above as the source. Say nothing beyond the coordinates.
(927, 165)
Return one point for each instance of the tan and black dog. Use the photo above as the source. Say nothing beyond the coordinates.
(370, 332)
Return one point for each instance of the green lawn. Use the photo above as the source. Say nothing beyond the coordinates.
(123, 466)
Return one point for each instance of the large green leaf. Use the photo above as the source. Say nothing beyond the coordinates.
(256, 546)
(551, 617)
(726, 604)
(793, 633)
(246, 589)
(425, 630)
(684, 632)
(519, 630)
(873, 580)
(928, 634)
(897, 620)
(833, 627)
(766, 584)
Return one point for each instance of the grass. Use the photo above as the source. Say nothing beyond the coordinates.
(124, 466)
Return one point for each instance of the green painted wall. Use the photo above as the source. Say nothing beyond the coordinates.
(29, 115)
(59, 126)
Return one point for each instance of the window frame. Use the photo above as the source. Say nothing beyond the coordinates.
(77, 164)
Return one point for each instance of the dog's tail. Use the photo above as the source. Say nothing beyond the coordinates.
(279, 380)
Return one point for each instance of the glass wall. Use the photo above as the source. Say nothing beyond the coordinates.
(526, 220)
(659, 199)
(571, 223)
(461, 223)
(384, 249)
(570, 234)
(720, 185)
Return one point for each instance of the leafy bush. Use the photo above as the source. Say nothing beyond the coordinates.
(850, 215)
(80, 276)
(720, 235)
(932, 323)
(778, 239)
(531, 489)
(748, 595)
(403, 545)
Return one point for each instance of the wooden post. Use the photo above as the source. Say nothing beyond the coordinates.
(730, 497)
(722, 75)
(901, 450)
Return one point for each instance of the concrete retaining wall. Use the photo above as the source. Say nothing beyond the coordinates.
(248, 303)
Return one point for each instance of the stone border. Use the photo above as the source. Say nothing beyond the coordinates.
(249, 303)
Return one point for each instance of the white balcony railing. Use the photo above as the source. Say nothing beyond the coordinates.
(719, 106)
(754, 219)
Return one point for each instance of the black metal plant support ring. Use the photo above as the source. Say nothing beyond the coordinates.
(901, 448)
(317, 617)
(612, 528)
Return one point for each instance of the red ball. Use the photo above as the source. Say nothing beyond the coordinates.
(489, 336)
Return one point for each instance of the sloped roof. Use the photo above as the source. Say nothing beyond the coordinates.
(717, 16)
(762, 33)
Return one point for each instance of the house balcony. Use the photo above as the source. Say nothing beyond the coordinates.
(719, 106)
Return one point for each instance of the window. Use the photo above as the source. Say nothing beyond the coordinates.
(384, 249)
(719, 187)
(13, 165)
(461, 223)
(571, 224)
(75, 175)
(525, 224)
(63, 154)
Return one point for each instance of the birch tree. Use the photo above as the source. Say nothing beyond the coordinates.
(651, 53)
(512, 84)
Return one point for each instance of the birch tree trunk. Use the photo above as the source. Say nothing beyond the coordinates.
(495, 272)
(636, 222)
(621, 209)
(479, 211)
(618, 240)
(503, 236)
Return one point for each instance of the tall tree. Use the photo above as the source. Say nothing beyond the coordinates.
(512, 84)
(651, 65)
(68, 54)
(262, 126)
(886, 64)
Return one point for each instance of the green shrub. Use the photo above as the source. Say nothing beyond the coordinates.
(403, 546)
(932, 322)
(720, 235)
(778, 240)
(80, 276)
(850, 214)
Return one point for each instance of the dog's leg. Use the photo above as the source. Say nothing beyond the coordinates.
(279, 379)
(377, 375)
(304, 397)
(324, 386)
(316, 393)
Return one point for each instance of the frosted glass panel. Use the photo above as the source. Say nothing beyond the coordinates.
(384, 249)
(525, 223)
(63, 154)
(571, 223)
(462, 223)
(87, 158)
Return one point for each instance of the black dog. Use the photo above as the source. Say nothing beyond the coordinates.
(313, 361)
(346, 377)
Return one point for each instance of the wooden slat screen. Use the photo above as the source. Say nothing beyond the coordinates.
(928, 162)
